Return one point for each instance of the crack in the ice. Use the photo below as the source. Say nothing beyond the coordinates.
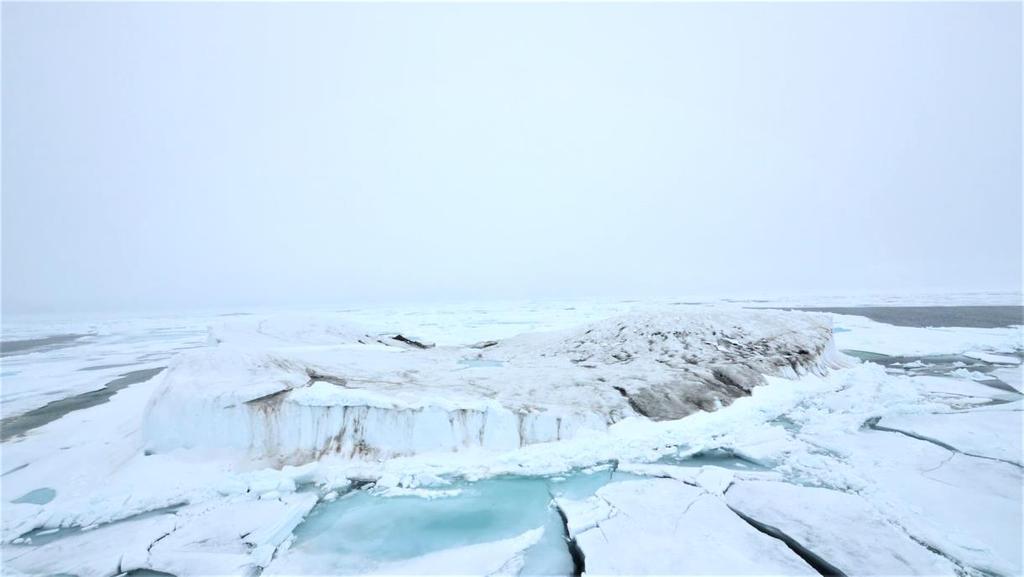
(872, 424)
(962, 569)
(939, 466)
(613, 510)
(158, 539)
(600, 530)
(675, 528)
(948, 458)
(18, 468)
(670, 477)
(9, 557)
(579, 561)
(819, 449)
(73, 530)
(820, 565)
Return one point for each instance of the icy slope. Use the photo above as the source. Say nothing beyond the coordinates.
(290, 391)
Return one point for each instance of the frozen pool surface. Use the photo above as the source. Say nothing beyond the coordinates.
(362, 529)
(362, 526)
(39, 496)
(481, 362)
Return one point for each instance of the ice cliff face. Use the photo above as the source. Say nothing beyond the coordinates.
(290, 392)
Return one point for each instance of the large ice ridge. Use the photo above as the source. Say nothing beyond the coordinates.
(289, 391)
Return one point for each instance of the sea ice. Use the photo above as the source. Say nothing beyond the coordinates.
(96, 553)
(841, 528)
(993, 359)
(236, 537)
(967, 508)
(993, 435)
(195, 485)
(1012, 376)
(663, 526)
(862, 334)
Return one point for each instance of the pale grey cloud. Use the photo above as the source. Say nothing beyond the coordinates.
(187, 155)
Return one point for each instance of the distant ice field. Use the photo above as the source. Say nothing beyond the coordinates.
(979, 316)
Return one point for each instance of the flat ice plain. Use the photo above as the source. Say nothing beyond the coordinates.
(532, 439)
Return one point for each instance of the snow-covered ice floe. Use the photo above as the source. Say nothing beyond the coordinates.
(291, 392)
(688, 440)
(840, 529)
(686, 531)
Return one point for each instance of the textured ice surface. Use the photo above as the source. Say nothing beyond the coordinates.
(99, 552)
(291, 392)
(1013, 376)
(842, 528)
(370, 532)
(99, 353)
(993, 435)
(236, 537)
(684, 531)
(993, 359)
(861, 334)
(965, 507)
(114, 506)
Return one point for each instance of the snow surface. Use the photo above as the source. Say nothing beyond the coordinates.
(921, 467)
(993, 435)
(685, 531)
(993, 359)
(843, 528)
(1014, 377)
(855, 333)
(35, 376)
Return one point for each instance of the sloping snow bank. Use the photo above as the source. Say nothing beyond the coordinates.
(288, 393)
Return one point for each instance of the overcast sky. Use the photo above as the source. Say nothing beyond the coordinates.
(163, 156)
